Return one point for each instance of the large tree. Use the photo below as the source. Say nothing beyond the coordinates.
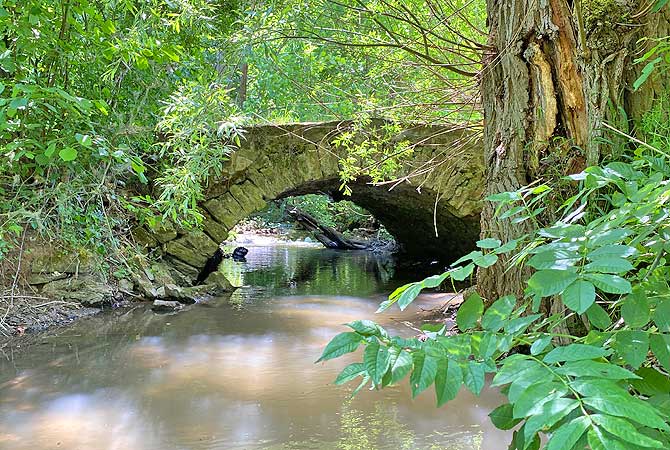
(554, 72)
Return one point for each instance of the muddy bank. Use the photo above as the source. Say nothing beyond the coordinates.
(47, 287)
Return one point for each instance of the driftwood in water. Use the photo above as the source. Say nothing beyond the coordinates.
(328, 236)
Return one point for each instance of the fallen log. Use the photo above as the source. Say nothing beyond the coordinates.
(328, 236)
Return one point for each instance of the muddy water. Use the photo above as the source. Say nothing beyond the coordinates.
(235, 373)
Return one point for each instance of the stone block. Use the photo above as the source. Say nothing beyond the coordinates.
(164, 231)
(85, 290)
(166, 306)
(144, 238)
(63, 262)
(248, 198)
(194, 248)
(214, 229)
(224, 209)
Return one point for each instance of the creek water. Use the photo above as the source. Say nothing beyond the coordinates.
(234, 373)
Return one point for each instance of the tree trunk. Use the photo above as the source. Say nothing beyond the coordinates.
(548, 83)
(244, 80)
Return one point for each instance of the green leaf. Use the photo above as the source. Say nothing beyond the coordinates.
(531, 400)
(662, 316)
(341, 344)
(434, 281)
(504, 197)
(589, 368)
(609, 264)
(367, 328)
(520, 442)
(590, 387)
(507, 247)
(657, 7)
(566, 436)
(423, 375)
(51, 149)
(486, 260)
(489, 243)
(540, 344)
(613, 236)
(660, 345)
(18, 103)
(649, 67)
(635, 309)
(83, 139)
(550, 414)
(612, 284)
(502, 417)
(496, 315)
(462, 273)
(574, 352)
(612, 251)
(377, 361)
(632, 346)
(520, 323)
(554, 259)
(624, 430)
(467, 257)
(469, 312)
(404, 294)
(513, 367)
(598, 317)
(408, 296)
(364, 381)
(652, 383)
(448, 382)
(598, 440)
(551, 281)
(350, 372)
(628, 407)
(68, 154)
(579, 296)
(485, 347)
(474, 376)
(401, 364)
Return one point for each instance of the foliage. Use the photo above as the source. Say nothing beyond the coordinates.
(342, 215)
(198, 145)
(584, 356)
(380, 58)
(656, 59)
(82, 86)
(374, 155)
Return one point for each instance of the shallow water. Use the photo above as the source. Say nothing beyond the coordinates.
(234, 373)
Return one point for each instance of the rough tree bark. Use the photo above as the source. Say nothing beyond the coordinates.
(549, 80)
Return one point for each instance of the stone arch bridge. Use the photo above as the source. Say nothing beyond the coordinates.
(434, 211)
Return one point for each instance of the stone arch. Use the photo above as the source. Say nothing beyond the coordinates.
(295, 159)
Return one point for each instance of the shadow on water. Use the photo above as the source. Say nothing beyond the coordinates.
(232, 377)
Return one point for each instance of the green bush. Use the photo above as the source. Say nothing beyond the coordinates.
(593, 369)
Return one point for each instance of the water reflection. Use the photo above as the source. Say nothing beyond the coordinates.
(215, 377)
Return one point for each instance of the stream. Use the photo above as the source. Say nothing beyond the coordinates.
(233, 373)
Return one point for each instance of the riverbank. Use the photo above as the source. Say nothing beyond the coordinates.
(46, 286)
(53, 288)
